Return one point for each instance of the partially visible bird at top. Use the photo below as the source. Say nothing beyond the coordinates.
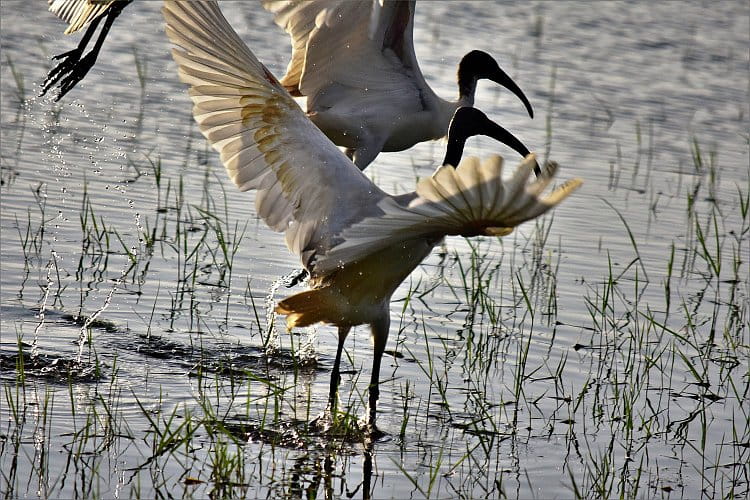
(74, 65)
(357, 242)
(354, 61)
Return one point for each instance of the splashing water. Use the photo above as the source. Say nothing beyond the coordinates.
(92, 318)
(307, 354)
(42, 308)
(45, 115)
(272, 343)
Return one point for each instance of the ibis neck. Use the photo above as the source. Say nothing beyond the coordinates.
(453, 151)
(466, 89)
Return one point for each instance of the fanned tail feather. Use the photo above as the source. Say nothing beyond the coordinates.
(470, 200)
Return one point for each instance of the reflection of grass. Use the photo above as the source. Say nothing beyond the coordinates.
(18, 80)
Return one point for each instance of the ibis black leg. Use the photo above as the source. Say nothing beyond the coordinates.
(336, 374)
(375, 385)
(68, 60)
(73, 65)
(379, 339)
(367, 472)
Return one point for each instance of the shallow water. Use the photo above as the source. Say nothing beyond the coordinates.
(514, 367)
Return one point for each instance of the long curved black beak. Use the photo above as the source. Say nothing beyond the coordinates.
(468, 122)
(501, 77)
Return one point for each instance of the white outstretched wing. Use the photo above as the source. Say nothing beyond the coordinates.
(78, 13)
(359, 47)
(470, 200)
(306, 186)
(298, 19)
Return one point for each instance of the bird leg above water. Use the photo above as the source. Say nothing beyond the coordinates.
(69, 62)
(379, 338)
(74, 66)
(336, 373)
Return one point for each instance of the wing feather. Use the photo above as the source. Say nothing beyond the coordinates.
(78, 13)
(352, 49)
(469, 201)
(298, 19)
(306, 186)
